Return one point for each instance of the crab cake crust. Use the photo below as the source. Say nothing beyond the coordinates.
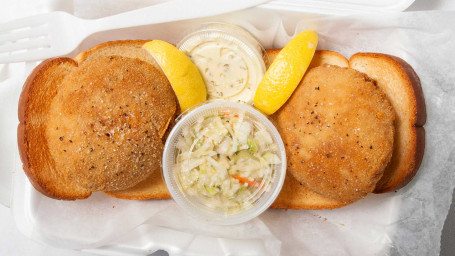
(107, 120)
(338, 131)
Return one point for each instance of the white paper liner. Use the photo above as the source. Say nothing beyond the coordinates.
(408, 222)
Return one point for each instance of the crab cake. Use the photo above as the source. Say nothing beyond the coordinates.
(106, 123)
(338, 132)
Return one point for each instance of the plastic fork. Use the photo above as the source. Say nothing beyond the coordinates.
(58, 33)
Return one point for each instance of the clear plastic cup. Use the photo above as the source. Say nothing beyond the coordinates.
(243, 46)
(197, 208)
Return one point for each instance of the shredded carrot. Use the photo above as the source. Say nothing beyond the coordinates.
(247, 181)
(223, 113)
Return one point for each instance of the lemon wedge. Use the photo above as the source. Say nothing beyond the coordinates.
(285, 72)
(183, 75)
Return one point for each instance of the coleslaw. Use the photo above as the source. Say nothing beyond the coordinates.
(227, 160)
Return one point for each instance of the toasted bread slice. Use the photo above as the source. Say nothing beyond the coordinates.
(152, 187)
(295, 195)
(34, 134)
(324, 57)
(402, 86)
(34, 104)
(125, 48)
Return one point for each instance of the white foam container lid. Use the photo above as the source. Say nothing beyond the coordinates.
(335, 7)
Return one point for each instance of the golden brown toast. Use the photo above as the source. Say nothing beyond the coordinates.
(153, 187)
(125, 48)
(402, 86)
(34, 104)
(106, 106)
(295, 195)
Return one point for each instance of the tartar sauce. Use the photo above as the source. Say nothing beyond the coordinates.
(226, 160)
(232, 66)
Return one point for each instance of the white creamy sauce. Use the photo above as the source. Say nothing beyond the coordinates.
(229, 71)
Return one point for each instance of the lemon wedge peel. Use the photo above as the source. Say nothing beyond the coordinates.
(285, 72)
(183, 75)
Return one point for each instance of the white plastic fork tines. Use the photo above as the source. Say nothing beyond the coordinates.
(58, 33)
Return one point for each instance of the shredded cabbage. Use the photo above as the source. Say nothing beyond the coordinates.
(227, 160)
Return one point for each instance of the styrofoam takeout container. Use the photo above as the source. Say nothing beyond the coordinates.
(26, 202)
